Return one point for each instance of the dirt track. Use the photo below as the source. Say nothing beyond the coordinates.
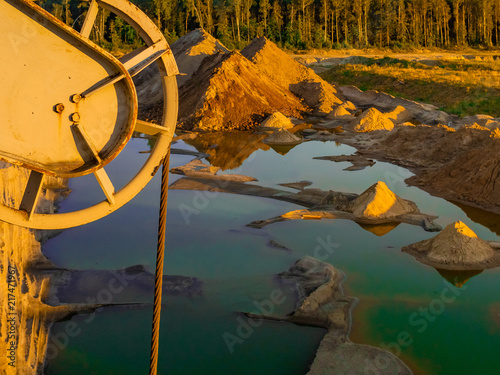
(323, 59)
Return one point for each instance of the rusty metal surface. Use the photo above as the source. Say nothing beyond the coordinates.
(72, 106)
(47, 64)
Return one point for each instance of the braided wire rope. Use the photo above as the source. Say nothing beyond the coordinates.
(160, 253)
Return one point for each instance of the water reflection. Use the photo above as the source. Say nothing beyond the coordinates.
(458, 278)
(283, 149)
(485, 218)
(215, 244)
(380, 229)
(25, 297)
(27, 304)
(228, 150)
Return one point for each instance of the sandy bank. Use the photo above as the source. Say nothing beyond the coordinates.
(321, 302)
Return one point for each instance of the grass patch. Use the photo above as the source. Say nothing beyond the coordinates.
(462, 87)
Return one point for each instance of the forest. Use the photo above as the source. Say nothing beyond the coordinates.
(306, 24)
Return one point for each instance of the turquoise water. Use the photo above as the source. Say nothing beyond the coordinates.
(117, 342)
(237, 266)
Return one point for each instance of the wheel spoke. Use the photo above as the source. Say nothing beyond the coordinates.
(86, 142)
(88, 24)
(32, 193)
(110, 80)
(135, 62)
(138, 60)
(149, 128)
(106, 185)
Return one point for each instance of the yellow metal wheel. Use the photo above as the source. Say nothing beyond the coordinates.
(79, 152)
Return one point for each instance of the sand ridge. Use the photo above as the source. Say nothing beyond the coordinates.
(229, 92)
(300, 80)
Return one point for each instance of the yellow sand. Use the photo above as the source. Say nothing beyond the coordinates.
(464, 229)
(378, 202)
(384, 200)
(277, 120)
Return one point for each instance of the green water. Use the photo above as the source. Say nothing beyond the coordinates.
(237, 266)
(117, 342)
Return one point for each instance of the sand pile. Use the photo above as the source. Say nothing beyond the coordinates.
(149, 90)
(229, 92)
(189, 52)
(473, 176)
(349, 106)
(222, 90)
(381, 99)
(191, 49)
(455, 248)
(430, 146)
(291, 75)
(399, 115)
(425, 113)
(481, 120)
(371, 120)
(277, 120)
(282, 137)
(378, 203)
(340, 111)
(492, 124)
(319, 95)
(433, 117)
(462, 165)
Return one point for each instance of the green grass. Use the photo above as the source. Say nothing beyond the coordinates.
(462, 87)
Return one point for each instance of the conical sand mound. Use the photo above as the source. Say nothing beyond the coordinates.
(371, 120)
(282, 137)
(379, 204)
(277, 120)
(399, 115)
(292, 75)
(229, 92)
(340, 111)
(191, 49)
(456, 247)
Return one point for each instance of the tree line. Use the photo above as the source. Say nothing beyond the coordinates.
(302, 24)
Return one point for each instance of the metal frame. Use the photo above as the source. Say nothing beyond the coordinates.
(156, 50)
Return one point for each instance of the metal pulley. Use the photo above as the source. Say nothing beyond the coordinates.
(68, 107)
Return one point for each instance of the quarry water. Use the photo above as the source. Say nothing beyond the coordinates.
(441, 329)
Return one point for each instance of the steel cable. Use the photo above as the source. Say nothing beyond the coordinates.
(155, 335)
